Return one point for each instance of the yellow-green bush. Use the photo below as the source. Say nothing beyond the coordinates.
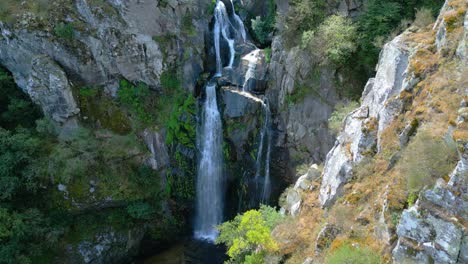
(425, 159)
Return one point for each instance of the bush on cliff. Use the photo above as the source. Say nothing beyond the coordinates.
(248, 236)
(333, 41)
(426, 159)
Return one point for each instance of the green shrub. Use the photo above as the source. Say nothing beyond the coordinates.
(412, 197)
(64, 31)
(423, 17)
(16, 108)
(348, 254)
(19, 151)
(211, 7)
(248, 236)
(303, 15)
(425, 159)
(141, 210)
(335, 122)
(380, 20)
(263, 27)
(334, 40)
(137, 98)
(187, 25)
(267, 55)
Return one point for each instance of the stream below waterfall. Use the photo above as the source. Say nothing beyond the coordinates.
(190, 251)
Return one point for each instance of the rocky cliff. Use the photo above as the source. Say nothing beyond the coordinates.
(381, 186)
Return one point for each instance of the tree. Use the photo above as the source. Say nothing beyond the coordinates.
(248, 236)
(334, 40)
(18, 153)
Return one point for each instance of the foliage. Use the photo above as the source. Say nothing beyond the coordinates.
(248, 236)
(412, 197)
(23, 235)
(352, 255)
(380, 20)
(16, 109)
(341, 111)
(187, 25)
(267, 55)
(211, 7)
(426, 159)
(334, 39)
(100, 109)
(297, 95)
(18, 152)
(303, 15)
(423, 17)
(178, 129)
(64, 31)
(11, 9)
(138, 99)
(141, 210)
(263, 26)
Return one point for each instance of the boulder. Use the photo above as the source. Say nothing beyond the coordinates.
(325, 237)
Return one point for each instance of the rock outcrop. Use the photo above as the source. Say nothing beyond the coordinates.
(434, 229)
(49, 87)
(116, 41)
(294, 196)
(364, 126)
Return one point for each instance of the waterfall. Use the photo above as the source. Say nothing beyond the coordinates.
(240, 24)
(209, 210)
(252, 59)
(266, 181)
(223, 27)
(265, 137)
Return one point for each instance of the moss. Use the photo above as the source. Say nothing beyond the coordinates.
(187, 25)
(99, 109)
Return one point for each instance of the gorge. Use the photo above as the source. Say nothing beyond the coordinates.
(236, 131)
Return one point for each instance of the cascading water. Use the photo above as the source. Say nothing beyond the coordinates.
(210, 176)
(265, 137)
(266, 181)
(223, 27)
(240, 24)
(252, 59)
(210, 180)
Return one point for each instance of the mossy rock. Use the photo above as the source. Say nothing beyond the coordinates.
(100, 109)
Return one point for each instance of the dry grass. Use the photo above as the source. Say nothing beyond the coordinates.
(434, 104)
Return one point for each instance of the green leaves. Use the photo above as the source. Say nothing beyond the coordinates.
(263, 27)
(64, 30)
(141, 210)
(248, 236)
(16, 108)
(17, 152)
(137, 98)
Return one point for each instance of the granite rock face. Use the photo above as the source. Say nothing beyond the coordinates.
(363, 127)
(434, 229)
(121, 41)
(49, 87)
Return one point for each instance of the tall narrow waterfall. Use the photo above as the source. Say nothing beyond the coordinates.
(265, 137)
(209, 211)
(266, 181)
(210, 180)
